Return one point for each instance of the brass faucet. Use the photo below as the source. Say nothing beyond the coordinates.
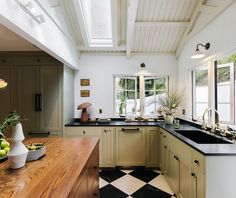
(217, 120)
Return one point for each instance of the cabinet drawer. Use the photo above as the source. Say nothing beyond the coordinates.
(198, 161)
(83, 131)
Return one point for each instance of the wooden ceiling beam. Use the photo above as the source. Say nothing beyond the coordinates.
(131, 17)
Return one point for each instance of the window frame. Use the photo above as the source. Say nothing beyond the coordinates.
(212, 88)
(141, 91)
(232, 90)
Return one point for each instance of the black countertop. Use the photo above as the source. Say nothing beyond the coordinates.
(205, 149)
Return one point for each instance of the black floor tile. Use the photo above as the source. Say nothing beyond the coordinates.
(111, 175)
(144, 175)
(110, 191)
(150, 192)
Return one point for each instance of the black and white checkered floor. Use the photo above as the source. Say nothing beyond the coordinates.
(140, 183)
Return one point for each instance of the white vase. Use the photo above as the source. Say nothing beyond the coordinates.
(18, 152)
(169, 119)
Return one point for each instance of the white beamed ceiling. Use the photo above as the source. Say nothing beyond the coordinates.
(160, 26)
(154, 26)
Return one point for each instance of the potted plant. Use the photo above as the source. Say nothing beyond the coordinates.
(170, 104)
(18, 152)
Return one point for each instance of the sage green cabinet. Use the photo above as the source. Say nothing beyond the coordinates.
(130, 146)
(182, 166)
(152, 147)
(108, 147)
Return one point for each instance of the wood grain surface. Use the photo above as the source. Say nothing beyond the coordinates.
(54, 175)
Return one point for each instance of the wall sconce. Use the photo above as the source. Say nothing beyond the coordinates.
(29, 9)
(198, 53)
(143, 69)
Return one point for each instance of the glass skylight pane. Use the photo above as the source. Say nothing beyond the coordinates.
(97, 20)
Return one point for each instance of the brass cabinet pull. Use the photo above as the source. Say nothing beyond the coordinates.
(83, 132)
(130, 130)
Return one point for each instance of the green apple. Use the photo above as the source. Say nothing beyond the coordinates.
(7, 149)
(2, 153)
(4, 144)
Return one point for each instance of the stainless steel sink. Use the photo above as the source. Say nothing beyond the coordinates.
(201, 137)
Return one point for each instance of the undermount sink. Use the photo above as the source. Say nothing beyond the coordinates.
(201, 137)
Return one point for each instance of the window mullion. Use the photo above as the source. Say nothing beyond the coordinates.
(142, 94)
(232, 94)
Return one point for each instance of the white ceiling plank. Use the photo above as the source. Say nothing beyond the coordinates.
(172, 35)
(209, 9)
(150, 39)
(80, 18)
(161, 24)
(193, 20)
(155, 38)
(132, 12)
(114, 8)
(217, 12)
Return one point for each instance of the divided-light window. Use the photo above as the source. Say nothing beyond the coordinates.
(138, 95)
(222, 81)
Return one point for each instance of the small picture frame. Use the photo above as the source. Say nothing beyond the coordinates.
(84, 82)
(85, 93)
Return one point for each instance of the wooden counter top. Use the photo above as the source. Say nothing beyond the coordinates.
(54, 175)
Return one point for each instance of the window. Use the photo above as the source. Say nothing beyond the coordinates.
(130, 89)
(225, 88)
(154, 88)
(199, 91)
(97, 18)
(126, 95)
(222, 81)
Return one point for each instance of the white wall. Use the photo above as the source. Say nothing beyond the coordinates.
(68, 94)
(46, 36)
(100, 70)
(221, 33)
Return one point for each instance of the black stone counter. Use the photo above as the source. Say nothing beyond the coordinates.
(205, 149)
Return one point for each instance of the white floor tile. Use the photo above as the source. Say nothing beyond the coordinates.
(128, 184)
(102, 182)
(161, 183)
(127, 171)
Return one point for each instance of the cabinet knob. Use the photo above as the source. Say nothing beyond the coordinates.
(193, 174)
(95, 167)
(164, 136)
(161, 133)
(95, 195)
(196, 162)
(83, 132)
(165, 147)
(105, 130)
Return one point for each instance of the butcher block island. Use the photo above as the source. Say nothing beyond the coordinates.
(69, 169)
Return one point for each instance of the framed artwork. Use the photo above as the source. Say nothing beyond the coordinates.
(84, 82)
(84, 93)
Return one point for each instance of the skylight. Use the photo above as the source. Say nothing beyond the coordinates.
(97, 20)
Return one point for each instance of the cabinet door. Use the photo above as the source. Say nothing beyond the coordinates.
(27, 87)
(174, 173)
(6, 95)
(151, 147)
(51, 90)
(108, 147)
(161, 151)
(130, 146)
(186, 181)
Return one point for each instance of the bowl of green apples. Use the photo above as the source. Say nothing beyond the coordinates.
(4, 149)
